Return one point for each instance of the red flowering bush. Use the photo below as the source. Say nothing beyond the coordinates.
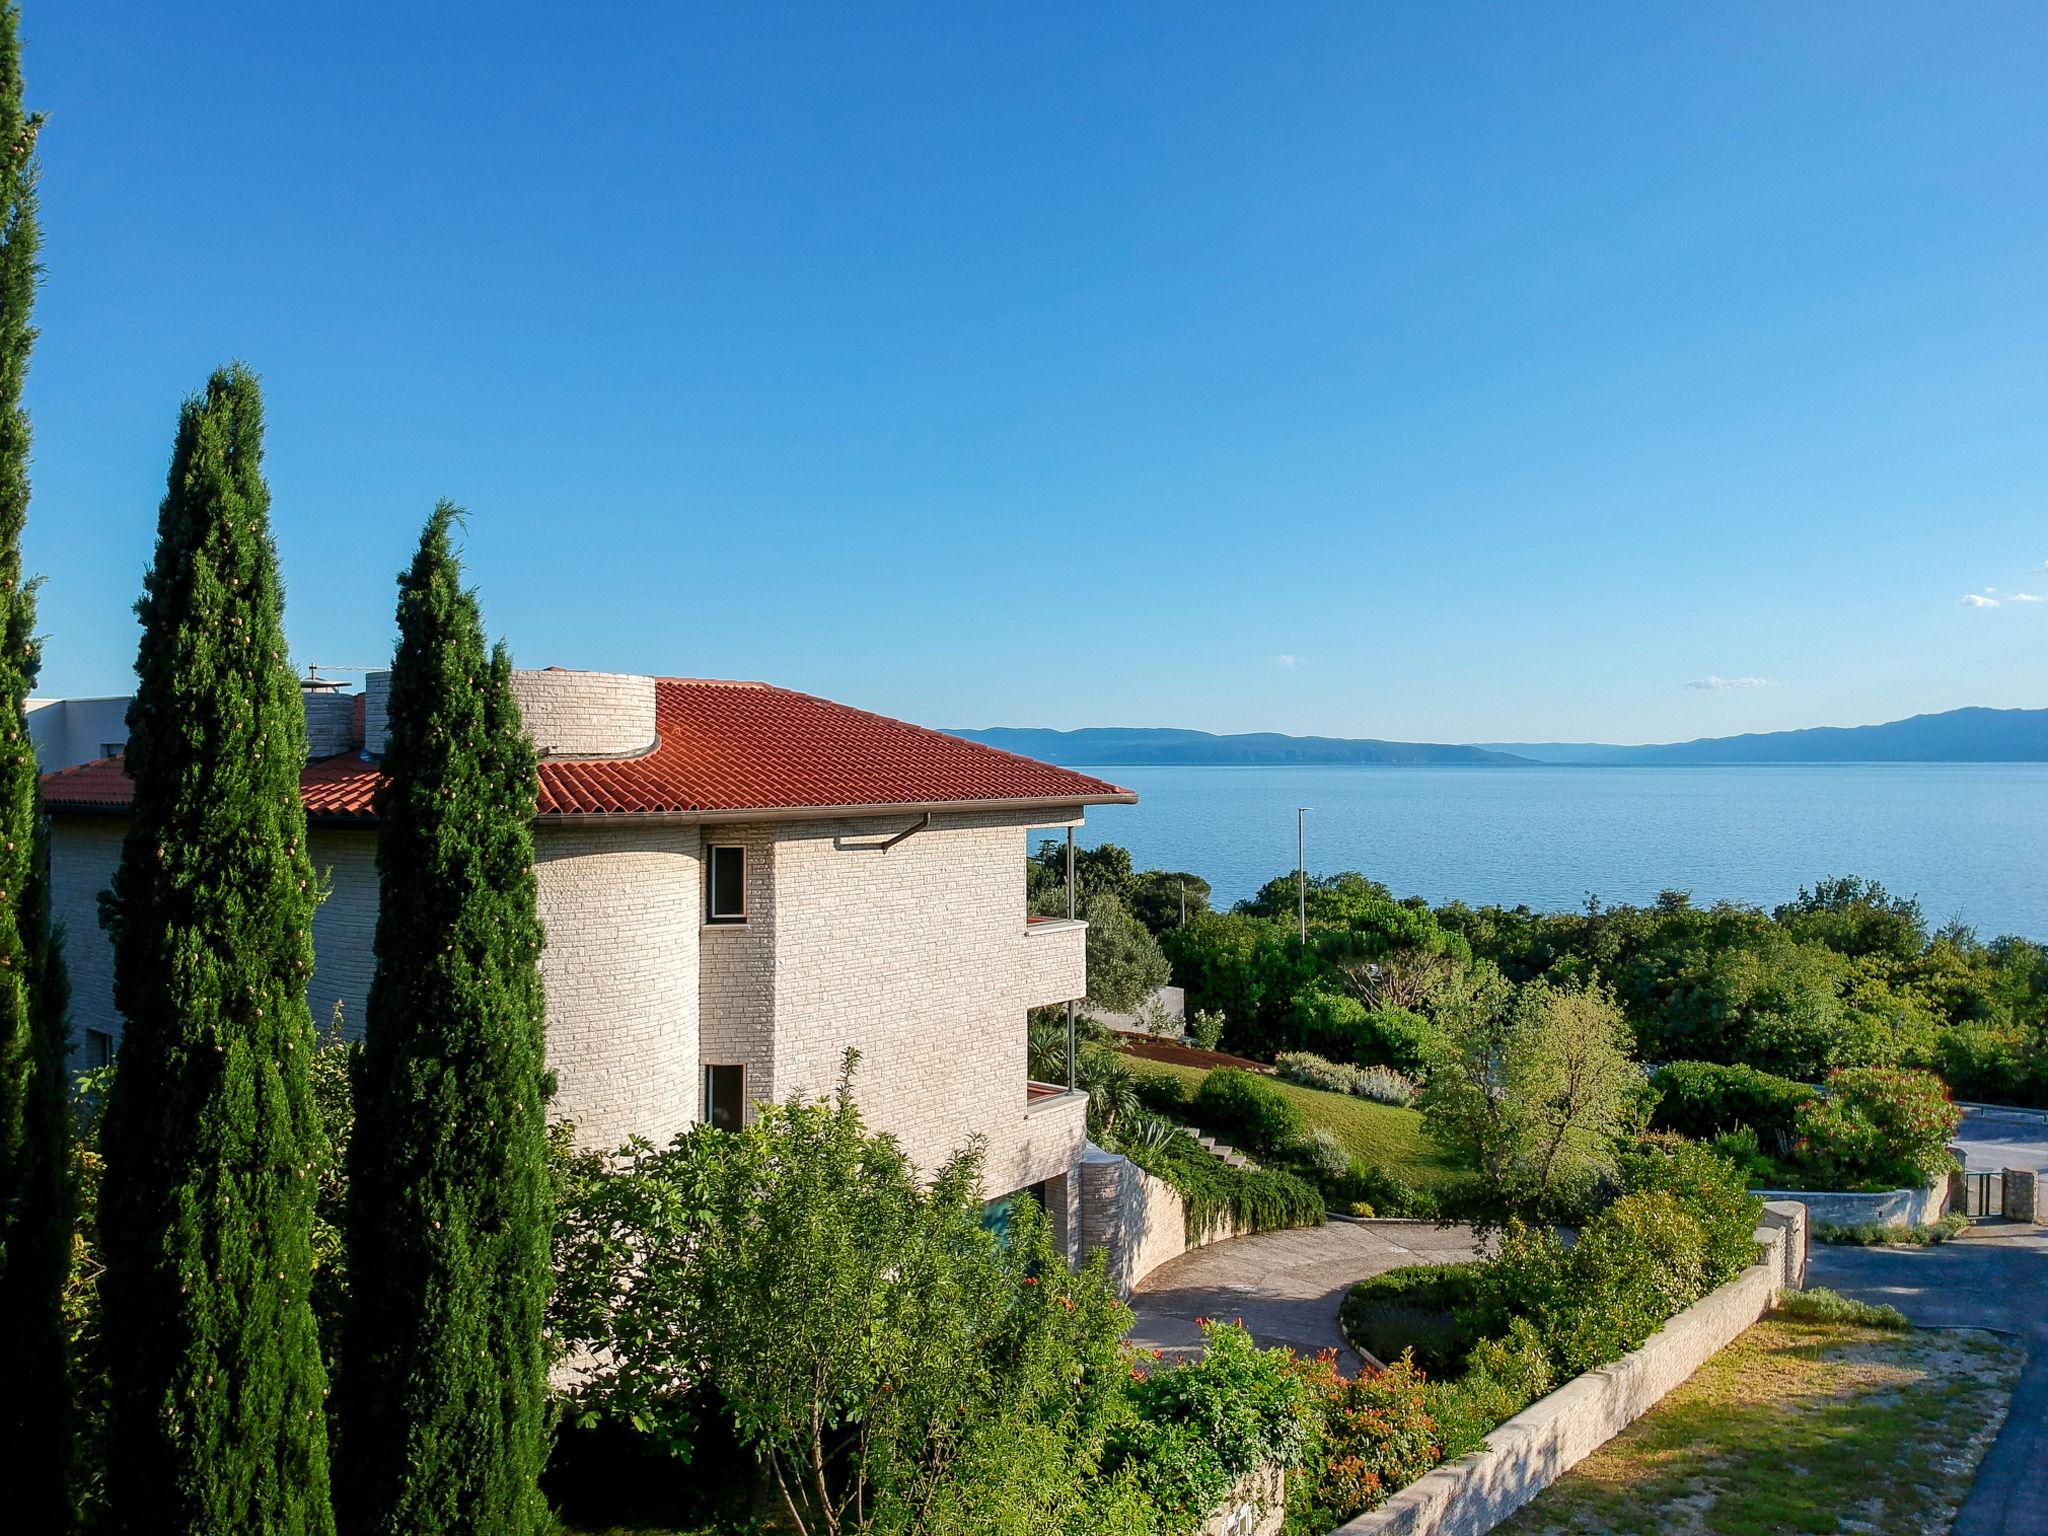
(1877, 1125)
(1378, 1436)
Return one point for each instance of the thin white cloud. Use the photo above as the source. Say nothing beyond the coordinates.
(2028, 597)
(1978, 600)
(1286, 662)
(1715, 683)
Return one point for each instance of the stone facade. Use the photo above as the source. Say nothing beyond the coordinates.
(586, 714)
(330, 723)
(919, 958)
(1139, 1221)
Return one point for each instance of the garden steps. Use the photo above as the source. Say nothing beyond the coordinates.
(1223, 1152)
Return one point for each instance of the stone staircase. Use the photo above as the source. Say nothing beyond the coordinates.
(1223, 1152)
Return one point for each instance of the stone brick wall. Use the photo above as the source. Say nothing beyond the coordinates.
(918, 958)
(1554, 1434)
(621, 968)
(84, 852)
(344, 926)
(1138, 1220)
(330, 723)
(736, 961)
(586, 714)
(1055, 961)
(376, 711)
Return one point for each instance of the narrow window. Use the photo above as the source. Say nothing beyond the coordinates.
(727, 886)
(725, 1097)
(99, 1049)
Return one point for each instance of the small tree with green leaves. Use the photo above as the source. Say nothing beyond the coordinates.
(1532, 1086)
(35, 1159)
(212, 1135)
(444, 1381)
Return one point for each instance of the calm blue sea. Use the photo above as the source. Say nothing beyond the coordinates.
(1968, 839)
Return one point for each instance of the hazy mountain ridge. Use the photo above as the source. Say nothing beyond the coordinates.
(1972, 735)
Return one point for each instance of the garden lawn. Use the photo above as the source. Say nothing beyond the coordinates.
(1797, 1426)
(1381, 1134)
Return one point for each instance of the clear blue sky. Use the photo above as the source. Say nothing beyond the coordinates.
(1423, 371)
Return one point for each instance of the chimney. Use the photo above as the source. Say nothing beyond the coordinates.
(330, 716)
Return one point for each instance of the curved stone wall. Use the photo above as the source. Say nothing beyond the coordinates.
(620, 908)
(586, 714)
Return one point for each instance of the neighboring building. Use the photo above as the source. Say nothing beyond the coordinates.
(737, 883)
(68, 732)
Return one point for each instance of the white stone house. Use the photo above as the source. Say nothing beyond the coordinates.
(737, 883)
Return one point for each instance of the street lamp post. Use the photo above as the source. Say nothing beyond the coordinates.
(1301, 867)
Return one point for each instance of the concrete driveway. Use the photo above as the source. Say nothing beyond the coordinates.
(1993, 1143)
(1284, 1286)
(1994, 1276)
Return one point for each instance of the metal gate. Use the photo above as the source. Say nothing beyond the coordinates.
(1983, 1194)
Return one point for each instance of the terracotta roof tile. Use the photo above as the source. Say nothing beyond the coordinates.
(724, 747)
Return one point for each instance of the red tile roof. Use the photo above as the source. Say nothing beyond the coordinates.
(723, 748)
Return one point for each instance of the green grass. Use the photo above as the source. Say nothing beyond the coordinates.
(1797, 1427)
(1953, 1225)
(1381, 1134)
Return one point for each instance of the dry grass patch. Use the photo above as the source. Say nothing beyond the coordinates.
(1819, 1428)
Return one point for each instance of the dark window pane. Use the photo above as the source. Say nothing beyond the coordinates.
(728, 884)
(725, 1096)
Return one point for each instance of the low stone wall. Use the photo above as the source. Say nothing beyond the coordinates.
(1257, 1506)
(1139, 1220)
(1552, 1435)
(1890, 1208)
(1791, 1218)
(2022, 1187)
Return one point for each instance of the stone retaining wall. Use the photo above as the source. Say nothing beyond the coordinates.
(1890, 1208)
(1257, 1506)
(1552, 1435)
(1139, 1220)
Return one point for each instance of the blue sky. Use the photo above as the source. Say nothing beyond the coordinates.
(1439, 372)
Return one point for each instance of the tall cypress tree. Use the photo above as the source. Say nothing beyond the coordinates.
(215, 1418)
(35, 1153)
(443, 1380)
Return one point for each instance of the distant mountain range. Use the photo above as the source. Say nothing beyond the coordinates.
(1954, 736)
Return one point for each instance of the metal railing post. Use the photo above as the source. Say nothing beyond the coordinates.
(1072, 1074)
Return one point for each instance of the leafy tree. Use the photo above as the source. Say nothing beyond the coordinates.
(1854, 916)
(1104, 870)
(1532, 1085)
(1247, 968)
(212, 1134)
(35, 1158)
(1125, 963)
(1163, 899)
(892, 1366)
(444, 1422)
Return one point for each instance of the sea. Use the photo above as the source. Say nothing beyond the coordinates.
(1970, 840)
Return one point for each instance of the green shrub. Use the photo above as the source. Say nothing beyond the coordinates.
(1702, 1099)
(1250, 1199)
(1196, 1428)
(1889, 1126)
(1205, 1028)
(1163, 1094)
(1954, 1224)
(1389, 1194)
(1321, 1156)
(1248, 1109)
(1381, 1085)
(1414, 1309)
(1379, 1434)
(1633, 1266)
(1502, 1377)
(1711, 1189)
(1821, 1305)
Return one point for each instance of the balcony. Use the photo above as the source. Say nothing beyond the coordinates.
(1055, 960)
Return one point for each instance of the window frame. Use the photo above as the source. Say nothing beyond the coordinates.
(710, 1067)
(712, 916)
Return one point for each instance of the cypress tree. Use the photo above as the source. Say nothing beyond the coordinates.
(443, 1378)
(35, 1152)
(211, 1138)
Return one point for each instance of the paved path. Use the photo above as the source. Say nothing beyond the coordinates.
(1284, 1286)
(1993, 1143)
(1994, 1276)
